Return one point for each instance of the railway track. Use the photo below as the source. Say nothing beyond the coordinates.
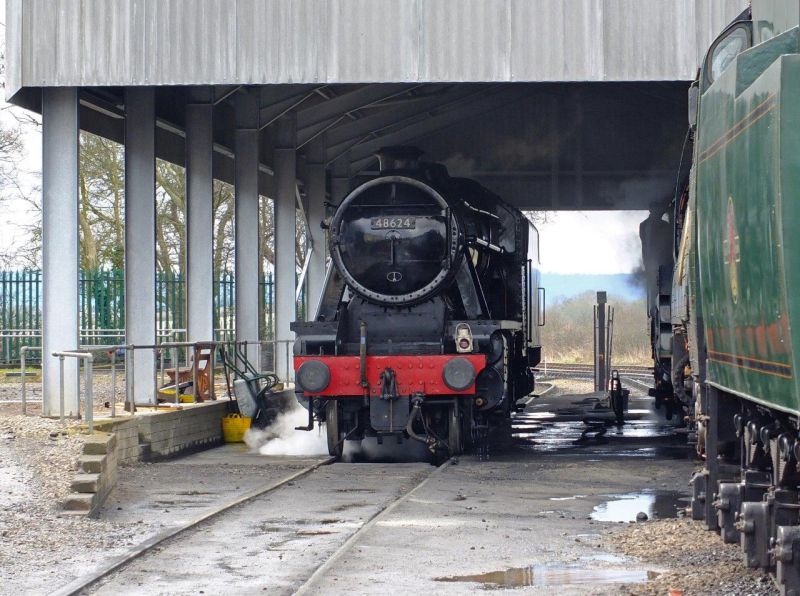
(157, 553)
(85, 582)
(587, 370)
(314, 580)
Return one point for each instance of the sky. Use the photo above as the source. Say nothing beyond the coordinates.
(591, 242)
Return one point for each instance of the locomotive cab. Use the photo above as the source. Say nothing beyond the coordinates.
(428, 323)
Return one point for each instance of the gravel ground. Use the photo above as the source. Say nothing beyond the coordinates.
(569, 386)
(11, 389)
(37, 463)
(696, 560)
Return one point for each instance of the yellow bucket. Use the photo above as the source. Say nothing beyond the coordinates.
(234, 426)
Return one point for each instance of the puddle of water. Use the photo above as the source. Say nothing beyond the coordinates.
(543, 575)
(572, 498)
(625, 508)
(540, 415)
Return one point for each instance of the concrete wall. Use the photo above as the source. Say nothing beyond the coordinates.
(176, 42)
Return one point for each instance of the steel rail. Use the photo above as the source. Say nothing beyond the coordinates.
(623, 369)
(534, 395)
(86, 581)
(353, 538)
(632, 380)
(585, 375)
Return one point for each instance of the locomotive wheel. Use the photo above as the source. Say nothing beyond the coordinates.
(332, 419)
(455, 438)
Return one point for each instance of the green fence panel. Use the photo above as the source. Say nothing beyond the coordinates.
(102, 307)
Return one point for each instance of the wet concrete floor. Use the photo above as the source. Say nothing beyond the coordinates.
(527, 514)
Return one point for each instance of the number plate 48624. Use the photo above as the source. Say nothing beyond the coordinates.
(393, 223)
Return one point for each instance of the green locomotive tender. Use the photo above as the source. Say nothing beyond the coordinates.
(736, 287)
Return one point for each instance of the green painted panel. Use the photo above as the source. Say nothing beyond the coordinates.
(743, 296)
(790, 199)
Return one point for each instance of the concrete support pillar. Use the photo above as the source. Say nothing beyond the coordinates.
(60, 329)
(285, 166)
(140, 238)
(199, 216)
(247, 260)
(317, 195)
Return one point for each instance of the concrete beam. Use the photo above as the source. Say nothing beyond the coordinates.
(246, 204)
(278, 100)
(307, 135)
(60, 165)
(349, 102)
(285, 165)
(317, 196)
(199, 216)
(140, 238)
(345, 134)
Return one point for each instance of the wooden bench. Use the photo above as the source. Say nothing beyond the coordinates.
(184, 377)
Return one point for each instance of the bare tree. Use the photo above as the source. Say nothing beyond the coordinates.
(101, 216)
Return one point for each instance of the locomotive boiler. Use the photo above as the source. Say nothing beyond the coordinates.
(428, 323)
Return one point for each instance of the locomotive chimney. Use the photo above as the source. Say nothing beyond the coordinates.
(398, 158)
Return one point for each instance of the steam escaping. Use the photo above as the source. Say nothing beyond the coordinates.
(281, 438)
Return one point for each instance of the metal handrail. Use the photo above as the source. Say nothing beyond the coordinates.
(89, 408)
(113, 349)
(159, 350)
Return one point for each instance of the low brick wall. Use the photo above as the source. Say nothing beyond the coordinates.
(166, 434)
(150, 435)
(126, 431)
(97, 474)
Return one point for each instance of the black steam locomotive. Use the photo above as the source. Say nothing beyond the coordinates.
(428, 324)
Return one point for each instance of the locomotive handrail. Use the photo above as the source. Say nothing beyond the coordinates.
(542, 307)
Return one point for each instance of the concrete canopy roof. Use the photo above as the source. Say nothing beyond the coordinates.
(600, 125)
(254, 42)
